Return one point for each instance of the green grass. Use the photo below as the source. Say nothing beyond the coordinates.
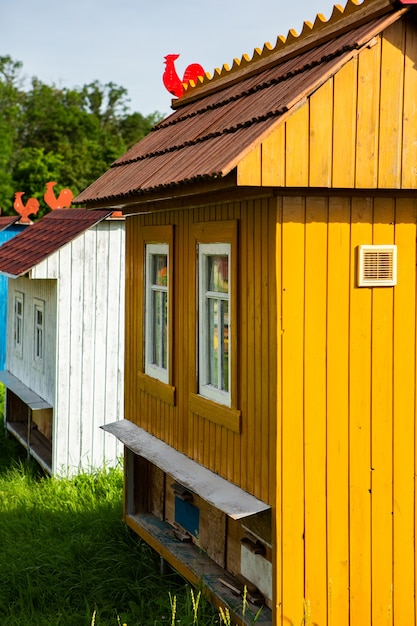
(68, 559)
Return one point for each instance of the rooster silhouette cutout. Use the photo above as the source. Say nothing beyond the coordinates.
(62, 202)
(171, 79)
(24, 210)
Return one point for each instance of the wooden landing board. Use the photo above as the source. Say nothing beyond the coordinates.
(29, 397)
(218, 492)
(197, 567)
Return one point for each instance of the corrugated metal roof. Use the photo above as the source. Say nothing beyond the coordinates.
(206, 138)
(7, 220)
(45, 237)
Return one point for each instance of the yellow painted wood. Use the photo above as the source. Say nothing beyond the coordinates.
(367, 134)
(404, 428)
(391, 106)
(344, 125)
(248, 464)
(268, 327)
(409, 154)
(321, 136)
(216, 413)
(249, 168)
(276, 450)
(156, 388)
(360, 423)
(296, 147)
(315, 405)
(381, 427)
(308, 445)
(258, 367)
(337, 455)
(273, 158)
(292, 238)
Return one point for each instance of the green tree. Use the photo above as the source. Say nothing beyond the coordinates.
(70, 136)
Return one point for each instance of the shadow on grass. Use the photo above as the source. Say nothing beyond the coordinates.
(66, 554)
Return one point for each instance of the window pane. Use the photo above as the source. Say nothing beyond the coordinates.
(218, 273)
(213, 339)
(160, 269)
(225, 345)
(218, 338)
(160, 326)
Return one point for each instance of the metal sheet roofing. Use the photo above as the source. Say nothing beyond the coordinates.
(7, 220)
(206, 137)
(45, 237)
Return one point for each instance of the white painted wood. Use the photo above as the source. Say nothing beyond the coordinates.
(82, 285)
(258, 570)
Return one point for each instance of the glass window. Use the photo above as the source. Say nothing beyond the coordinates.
(214, 322)
(156, 311)
(18, 323)
(38, 331)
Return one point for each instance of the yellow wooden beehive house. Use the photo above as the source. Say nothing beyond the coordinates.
(270, 416)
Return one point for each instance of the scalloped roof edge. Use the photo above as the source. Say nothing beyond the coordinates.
(355, 11)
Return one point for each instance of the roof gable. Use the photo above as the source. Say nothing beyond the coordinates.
(218, 125)
(45, 237)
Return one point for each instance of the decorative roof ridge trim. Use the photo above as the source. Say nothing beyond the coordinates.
(285, 45)
(259, 87)
(209, 136)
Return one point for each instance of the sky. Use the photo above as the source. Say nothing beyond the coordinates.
(71, 43)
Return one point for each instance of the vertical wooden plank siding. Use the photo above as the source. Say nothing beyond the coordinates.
(346, 531)
(258, 334)
(344, 125)
(273, 158)
(315, 405)
(360, 423)
(409, 154)
(355, 131)
(292, 306)
(321, 136)
(391, 106)
(332, 445)
(250, 167)
(297, 148)
(241, 457)
(404, 426)
(368, 116)
(338, 300)
(381, 427)
(276, 454)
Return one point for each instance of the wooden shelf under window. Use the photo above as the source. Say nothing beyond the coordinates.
(217, 413)
(156, 388)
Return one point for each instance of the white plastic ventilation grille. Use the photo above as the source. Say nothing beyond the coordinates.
(377, 266)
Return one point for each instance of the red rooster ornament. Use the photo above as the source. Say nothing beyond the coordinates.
(24, 210)
(62, 202)
(171, 79)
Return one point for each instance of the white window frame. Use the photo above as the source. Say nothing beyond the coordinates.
(206, 389)
(38, 332)
(18, 323)
(152, 368)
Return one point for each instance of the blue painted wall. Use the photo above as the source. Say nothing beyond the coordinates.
(5, 235)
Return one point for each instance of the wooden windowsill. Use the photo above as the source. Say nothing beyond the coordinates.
(217, 413)
(156, 388)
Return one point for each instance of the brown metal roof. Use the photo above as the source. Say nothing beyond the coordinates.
(46, 236)
(206, 138)
(7, 220)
